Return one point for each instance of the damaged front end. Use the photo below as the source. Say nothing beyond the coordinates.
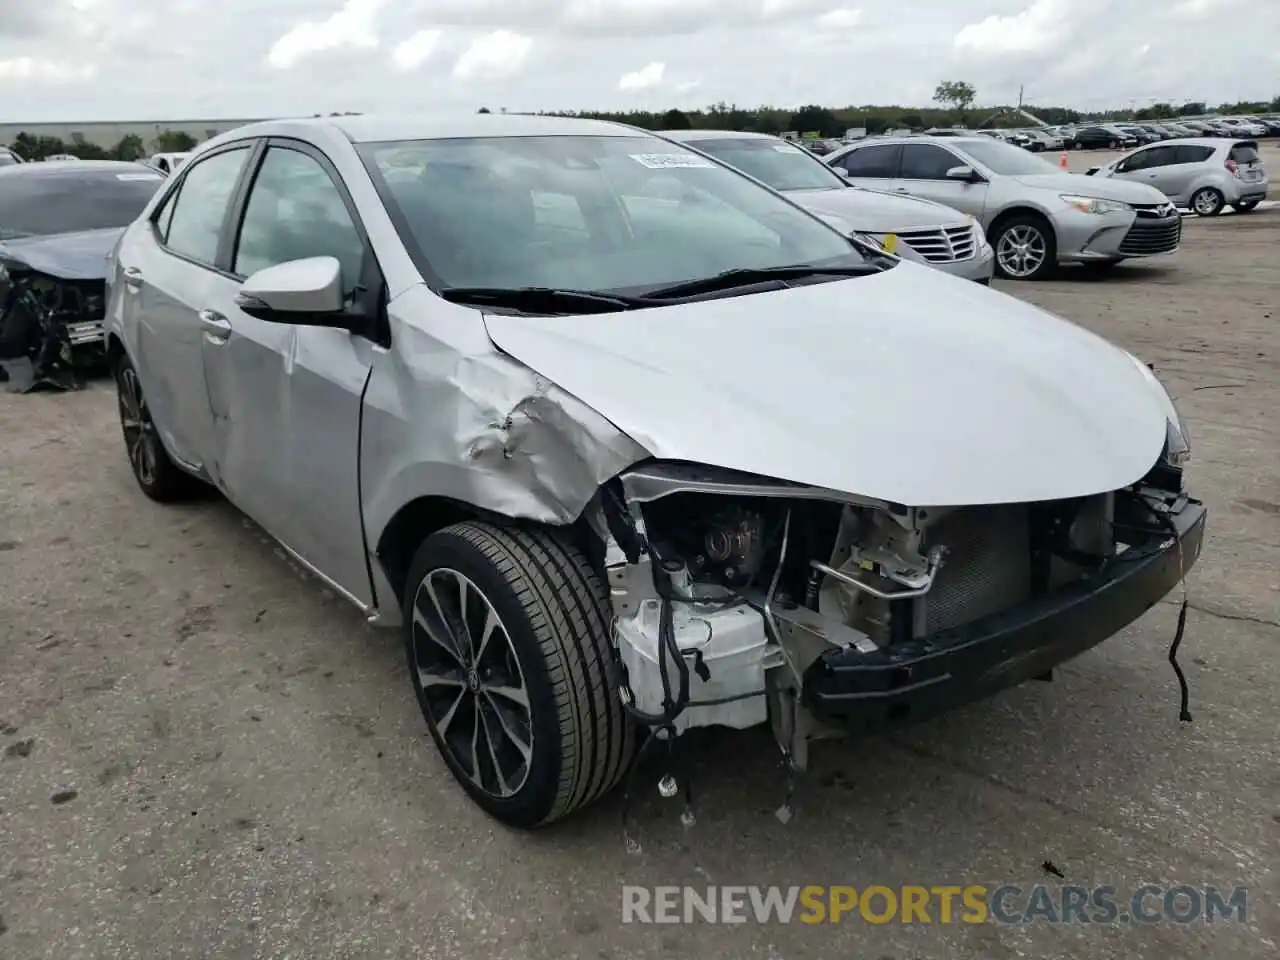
(741, 600)
(51, 316)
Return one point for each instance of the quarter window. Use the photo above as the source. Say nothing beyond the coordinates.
(1190, 153)
(195, 224)
(295, 211)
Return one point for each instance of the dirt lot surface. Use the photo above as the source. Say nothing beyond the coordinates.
(203, 754)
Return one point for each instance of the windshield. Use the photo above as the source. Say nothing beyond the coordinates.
(775, 162)
(1006, 159)
(586, 213)
(43, 203)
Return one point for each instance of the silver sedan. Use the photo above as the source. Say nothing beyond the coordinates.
(1035, 214)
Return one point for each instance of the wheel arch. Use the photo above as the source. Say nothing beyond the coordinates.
(1017, 210)
(425, 515)
(115, 349)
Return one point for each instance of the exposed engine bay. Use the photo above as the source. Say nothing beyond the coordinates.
(739, 601)
(52, 323)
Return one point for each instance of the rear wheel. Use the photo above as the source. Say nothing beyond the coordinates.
(507, 635)
(1245, 206)
(1026, 248)
(1207, 202)
(157, 475)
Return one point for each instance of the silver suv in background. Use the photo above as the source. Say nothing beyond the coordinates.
(1035, 214)
(942, 237)
(1204, 174)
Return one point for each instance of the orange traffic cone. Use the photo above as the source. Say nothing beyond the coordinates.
(1062, 161)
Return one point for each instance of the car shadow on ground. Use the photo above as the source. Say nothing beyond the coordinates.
(1126, 272)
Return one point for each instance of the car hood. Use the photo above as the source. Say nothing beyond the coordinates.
(1123, 191)
(909, 386)
(67, 256)
(875, 212)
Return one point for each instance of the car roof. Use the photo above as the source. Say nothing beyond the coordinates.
(1194, 141)
(688, 135)
(63, 167)
(926, 138)
(374, 128)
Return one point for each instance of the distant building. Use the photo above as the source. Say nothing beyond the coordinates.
(107, 134)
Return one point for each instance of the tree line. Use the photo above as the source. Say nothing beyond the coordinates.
(954, 106)
(954, 101)
(130, 147)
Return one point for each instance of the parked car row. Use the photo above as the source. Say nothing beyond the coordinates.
(1035, 215)
(1123, 134)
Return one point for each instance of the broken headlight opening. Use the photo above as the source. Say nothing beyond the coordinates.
(49, 321)
(741, 601)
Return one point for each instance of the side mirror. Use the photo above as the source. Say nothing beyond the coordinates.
(306, 292)
(843, 172)
(964, 172)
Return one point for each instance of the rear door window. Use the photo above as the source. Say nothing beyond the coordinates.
(195, 225)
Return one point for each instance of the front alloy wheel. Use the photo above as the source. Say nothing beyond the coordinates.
(507, 634)
(473, 686)
(1025, 249)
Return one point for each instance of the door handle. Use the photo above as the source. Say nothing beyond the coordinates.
(132, 278)
(217, 328)
(901, 190)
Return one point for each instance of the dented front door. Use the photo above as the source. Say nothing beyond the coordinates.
(285, 398)
(285, 402)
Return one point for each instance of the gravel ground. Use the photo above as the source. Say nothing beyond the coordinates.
(204, 754)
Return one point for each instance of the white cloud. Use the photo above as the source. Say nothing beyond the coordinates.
(495, 55)
(1035, 28)
(56, 54)
(351, 27)
(644, 78)
(844, 18)
(53, 71)
(413, 52)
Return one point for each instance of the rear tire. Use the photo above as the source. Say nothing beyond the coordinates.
(158, 476)
(1207, 202)
(531, 725)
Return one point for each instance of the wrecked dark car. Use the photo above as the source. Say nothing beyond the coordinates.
(58, 222)
(626, 443)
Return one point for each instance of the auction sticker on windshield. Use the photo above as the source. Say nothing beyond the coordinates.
(668, 161)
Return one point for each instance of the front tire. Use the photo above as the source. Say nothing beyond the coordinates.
(1025, 246)
(158, 476)
(507, 635)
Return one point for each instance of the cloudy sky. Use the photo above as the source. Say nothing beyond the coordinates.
(180, 59)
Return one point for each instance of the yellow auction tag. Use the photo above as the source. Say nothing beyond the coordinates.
(890, 242)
